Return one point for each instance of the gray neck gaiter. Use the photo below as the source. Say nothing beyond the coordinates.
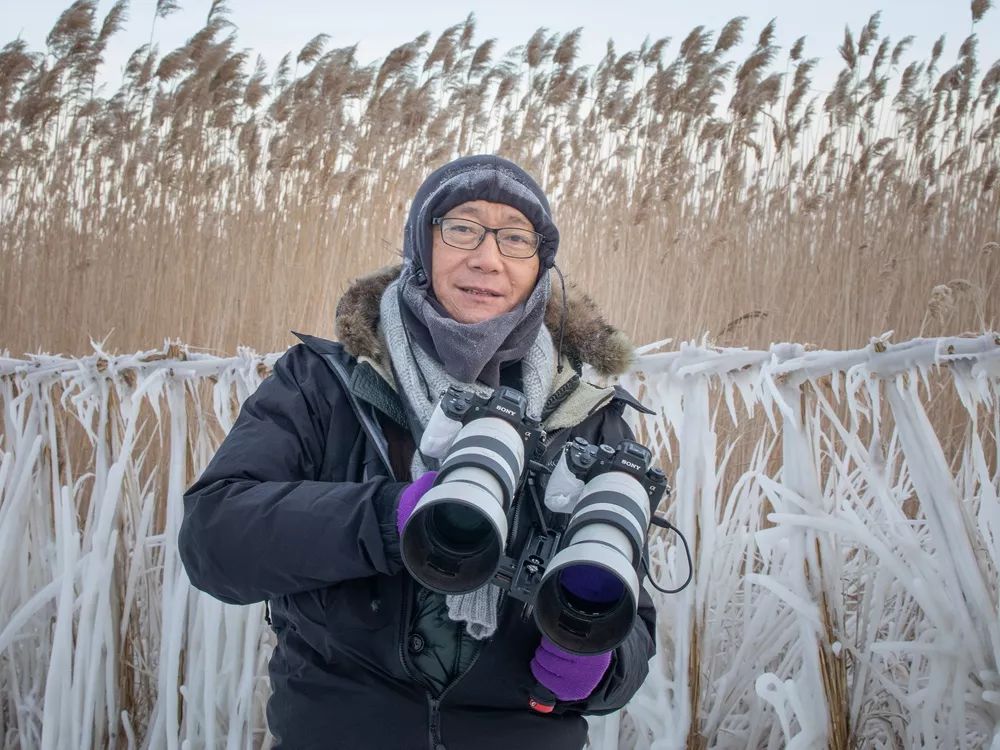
(472, 351)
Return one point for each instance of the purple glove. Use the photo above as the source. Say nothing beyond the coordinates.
(410, 496)
(570, 677)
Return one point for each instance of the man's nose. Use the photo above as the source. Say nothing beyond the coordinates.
(487, 256)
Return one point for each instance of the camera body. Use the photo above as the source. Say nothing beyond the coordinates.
(463, 406)
(586, 461)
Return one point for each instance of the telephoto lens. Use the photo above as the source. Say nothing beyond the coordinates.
(454, 540)
(588, 597)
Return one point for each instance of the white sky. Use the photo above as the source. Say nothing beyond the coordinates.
(273, 28)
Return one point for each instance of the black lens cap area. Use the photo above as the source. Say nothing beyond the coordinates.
(458, 529)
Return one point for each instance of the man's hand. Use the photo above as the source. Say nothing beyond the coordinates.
(570, 677)
(410, 496)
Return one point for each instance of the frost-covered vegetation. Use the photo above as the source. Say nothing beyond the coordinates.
(846, 553)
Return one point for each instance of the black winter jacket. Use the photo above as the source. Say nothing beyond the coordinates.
(298, 508)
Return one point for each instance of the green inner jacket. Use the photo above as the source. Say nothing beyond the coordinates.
(439, 647)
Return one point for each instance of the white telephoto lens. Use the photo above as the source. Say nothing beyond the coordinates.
(475, 475)
(605, 534)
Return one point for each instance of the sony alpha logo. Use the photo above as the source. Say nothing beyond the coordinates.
(631, 465)
(505, 410)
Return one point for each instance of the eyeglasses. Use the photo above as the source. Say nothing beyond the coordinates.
(468, 235)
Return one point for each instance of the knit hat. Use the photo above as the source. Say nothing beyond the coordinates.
(481, 177)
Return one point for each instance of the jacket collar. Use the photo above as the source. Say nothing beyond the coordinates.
(587, 338)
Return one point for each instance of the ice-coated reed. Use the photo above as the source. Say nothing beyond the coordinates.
(845, 586)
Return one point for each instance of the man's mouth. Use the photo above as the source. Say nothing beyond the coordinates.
(479, 292)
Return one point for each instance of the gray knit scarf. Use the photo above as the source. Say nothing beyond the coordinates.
(420, 381)
(471, 351)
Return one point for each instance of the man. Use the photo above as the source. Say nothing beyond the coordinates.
(303, 503)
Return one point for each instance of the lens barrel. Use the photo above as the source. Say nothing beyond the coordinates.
(454, 540)
(608, 531)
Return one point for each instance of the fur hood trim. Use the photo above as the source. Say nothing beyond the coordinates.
(587, 338)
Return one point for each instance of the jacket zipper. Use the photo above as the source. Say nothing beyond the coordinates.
(435, 703)
(433, 722)
(513, 524)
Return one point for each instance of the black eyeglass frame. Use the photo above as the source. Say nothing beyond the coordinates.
(439, 222)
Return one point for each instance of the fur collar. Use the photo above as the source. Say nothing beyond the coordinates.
(587, 338)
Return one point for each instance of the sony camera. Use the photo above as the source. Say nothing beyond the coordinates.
(606, 497)
(454, 540)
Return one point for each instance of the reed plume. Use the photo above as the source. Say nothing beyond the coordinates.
(205, 163)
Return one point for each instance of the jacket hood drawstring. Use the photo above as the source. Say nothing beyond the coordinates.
(562, 318)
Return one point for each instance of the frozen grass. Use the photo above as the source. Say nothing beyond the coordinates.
(845, 589)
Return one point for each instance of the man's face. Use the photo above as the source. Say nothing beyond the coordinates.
(476, 285)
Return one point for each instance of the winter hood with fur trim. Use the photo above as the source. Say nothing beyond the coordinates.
(587, 339)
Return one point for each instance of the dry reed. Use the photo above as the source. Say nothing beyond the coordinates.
(211, 198)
